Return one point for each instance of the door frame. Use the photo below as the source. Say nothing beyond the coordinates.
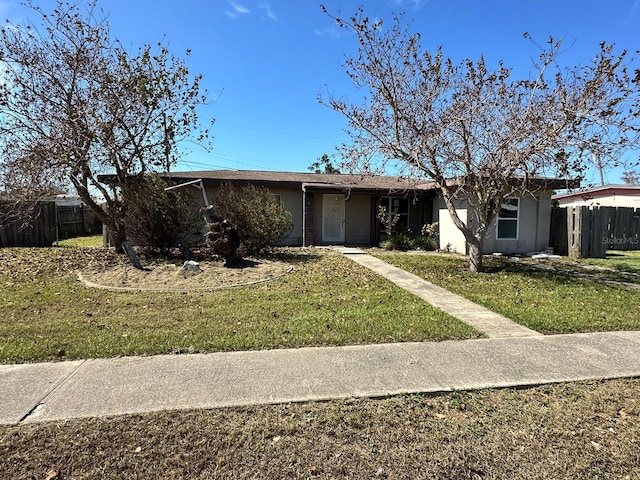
(333, 205)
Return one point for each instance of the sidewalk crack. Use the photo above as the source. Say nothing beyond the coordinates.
(42, 401)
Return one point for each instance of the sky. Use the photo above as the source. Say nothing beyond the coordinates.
(264, 63)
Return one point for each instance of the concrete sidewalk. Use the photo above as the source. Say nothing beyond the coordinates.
(88, 388)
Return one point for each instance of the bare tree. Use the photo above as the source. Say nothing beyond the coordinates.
(22, 183)
(91, 106)
(477, 132)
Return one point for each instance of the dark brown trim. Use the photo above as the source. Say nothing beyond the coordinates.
(308, 219)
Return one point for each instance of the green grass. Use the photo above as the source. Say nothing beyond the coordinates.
(90, 241)
(544, 301)
(48, 314)
(625, 261)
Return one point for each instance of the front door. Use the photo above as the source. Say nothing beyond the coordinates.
(333, 218)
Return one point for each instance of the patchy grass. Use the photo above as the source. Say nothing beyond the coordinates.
(89, 241)
(549, 302)
(47, 314)
(580, 430)
(624, 261)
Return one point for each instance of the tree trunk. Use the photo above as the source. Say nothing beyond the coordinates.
(117, 232)
(119, 237)
(475, 256)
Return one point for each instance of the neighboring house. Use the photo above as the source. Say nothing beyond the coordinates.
(606, 196)
(330, 209)
(66, 200)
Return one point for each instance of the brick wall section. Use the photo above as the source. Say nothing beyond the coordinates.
(375, 223)
(308, 216)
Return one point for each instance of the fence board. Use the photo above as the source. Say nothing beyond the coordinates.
(41, 232)
(590, 232)
(75, 221)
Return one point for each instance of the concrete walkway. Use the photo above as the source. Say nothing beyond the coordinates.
(489, 323)
(89, 388)
(511, 356)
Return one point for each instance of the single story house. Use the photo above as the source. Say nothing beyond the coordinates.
(342, 209)
(605, 196)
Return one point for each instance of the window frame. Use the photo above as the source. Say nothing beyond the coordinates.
(387, 202)
(500, 219)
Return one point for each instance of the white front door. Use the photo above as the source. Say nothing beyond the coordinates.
(333, 218)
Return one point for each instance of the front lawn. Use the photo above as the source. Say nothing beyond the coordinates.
(541, 300)
(47, 314)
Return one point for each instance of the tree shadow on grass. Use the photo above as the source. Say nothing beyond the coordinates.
(517, 268)
(243, 263)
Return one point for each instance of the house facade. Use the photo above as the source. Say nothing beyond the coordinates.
(523, 225)
(331, 209)
(342, 209)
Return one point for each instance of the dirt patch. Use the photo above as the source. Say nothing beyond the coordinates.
(170, 275)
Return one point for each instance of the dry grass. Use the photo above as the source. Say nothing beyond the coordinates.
(582, 430)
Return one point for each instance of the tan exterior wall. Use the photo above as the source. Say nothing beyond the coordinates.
(534, 219)
(292, 202)
(358, 220)
(533, 228)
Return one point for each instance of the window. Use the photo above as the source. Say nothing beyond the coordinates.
(508, 219)
(397, 206)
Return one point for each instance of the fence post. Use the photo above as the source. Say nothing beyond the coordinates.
(573, 231)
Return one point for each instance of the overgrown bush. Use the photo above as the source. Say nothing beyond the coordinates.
(422, 242)
(398, 241)
(402, 240)
(161, 219)
(256, 213)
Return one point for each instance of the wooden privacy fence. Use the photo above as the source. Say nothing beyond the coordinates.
(588, 232)
(76, 221)
(41, 232)
(50, 223)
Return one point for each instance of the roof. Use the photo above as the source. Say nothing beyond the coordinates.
(307, 180)
(599, 192)
(332, 181)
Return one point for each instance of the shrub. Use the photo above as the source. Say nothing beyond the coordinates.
(257, 215)
(422, 242)
(402, 240)
(398, 241)
(158, 218)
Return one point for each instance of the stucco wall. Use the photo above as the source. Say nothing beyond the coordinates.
(292, 201)
(533, 226)
(358, 220)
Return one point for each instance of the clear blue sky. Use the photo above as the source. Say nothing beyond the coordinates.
(265, 62)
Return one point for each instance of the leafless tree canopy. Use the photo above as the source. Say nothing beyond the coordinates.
(472, 128)
(74, 103)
